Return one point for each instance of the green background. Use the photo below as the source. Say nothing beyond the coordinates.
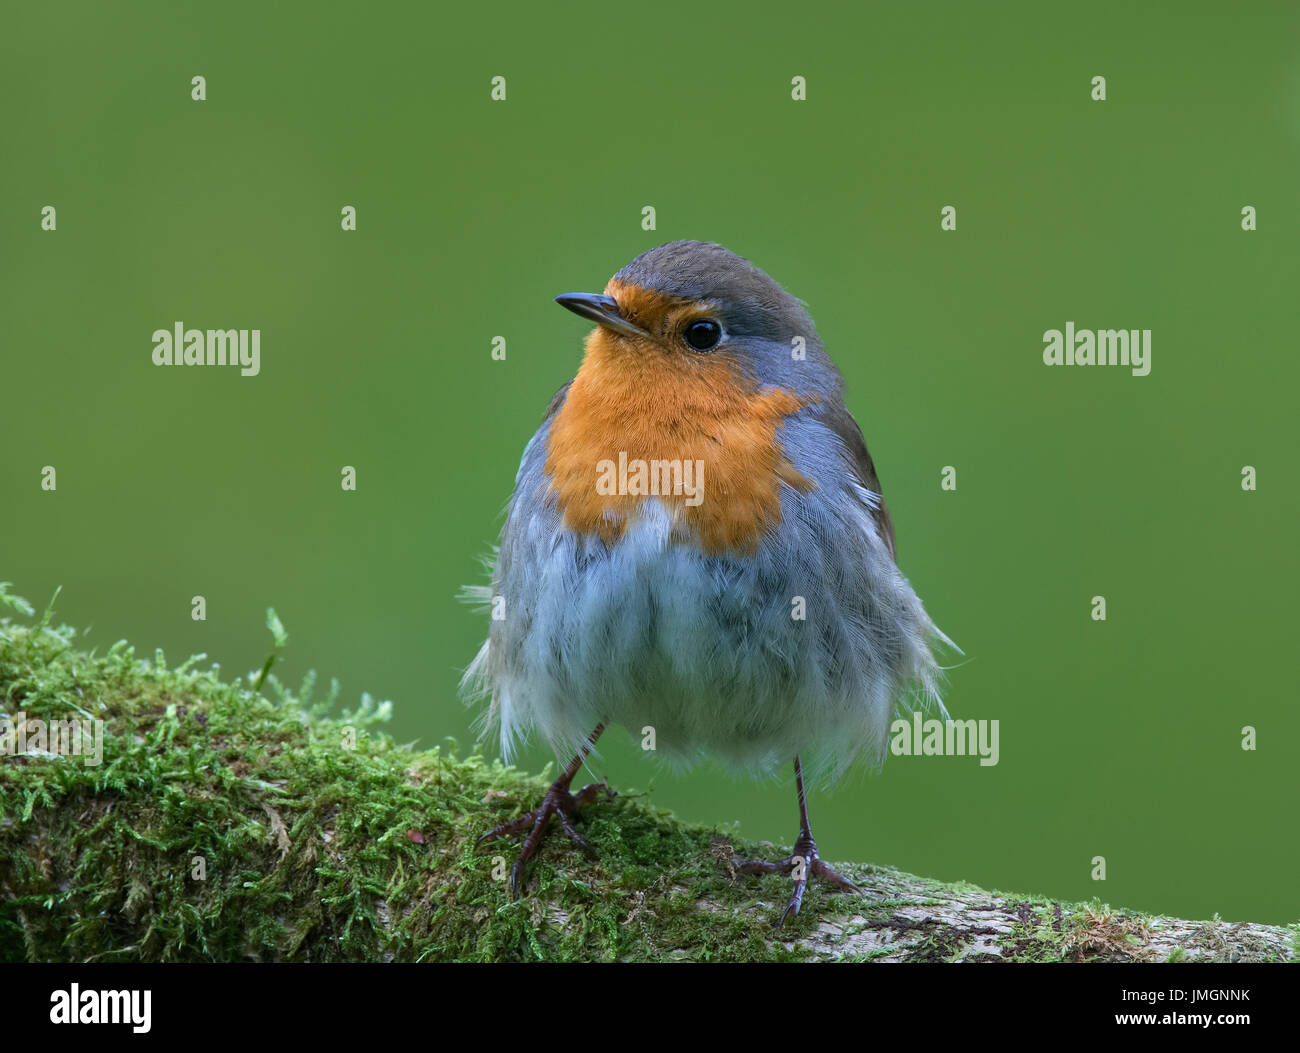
(1120, 739)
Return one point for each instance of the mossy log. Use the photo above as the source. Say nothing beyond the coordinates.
(224, 823)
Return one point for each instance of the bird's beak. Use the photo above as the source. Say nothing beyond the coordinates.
(601, 309)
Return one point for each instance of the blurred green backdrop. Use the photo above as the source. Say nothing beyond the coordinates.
(1119, 739)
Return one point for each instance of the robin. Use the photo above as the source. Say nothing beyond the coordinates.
(697, 544)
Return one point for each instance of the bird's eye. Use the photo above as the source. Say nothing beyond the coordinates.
(703, 335)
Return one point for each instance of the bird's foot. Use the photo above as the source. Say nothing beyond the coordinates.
(802, 864)
(558, 802)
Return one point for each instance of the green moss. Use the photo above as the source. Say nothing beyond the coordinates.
(226, 824)
(318, 838)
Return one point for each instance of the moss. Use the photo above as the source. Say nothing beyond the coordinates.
(226, 824)
(1046, 933)
(223, 824)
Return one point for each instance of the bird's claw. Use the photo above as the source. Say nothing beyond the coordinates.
(802, 864)
(558, 802)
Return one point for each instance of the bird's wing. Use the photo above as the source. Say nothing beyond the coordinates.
(841, 422)
(557, 400)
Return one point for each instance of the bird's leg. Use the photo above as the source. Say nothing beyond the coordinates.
(558, 802)
(803, 863)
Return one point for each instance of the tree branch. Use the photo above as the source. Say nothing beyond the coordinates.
(221, 825)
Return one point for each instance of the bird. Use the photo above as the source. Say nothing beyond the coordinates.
(697, 543)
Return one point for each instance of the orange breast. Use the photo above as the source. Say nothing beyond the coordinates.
(633, 402)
